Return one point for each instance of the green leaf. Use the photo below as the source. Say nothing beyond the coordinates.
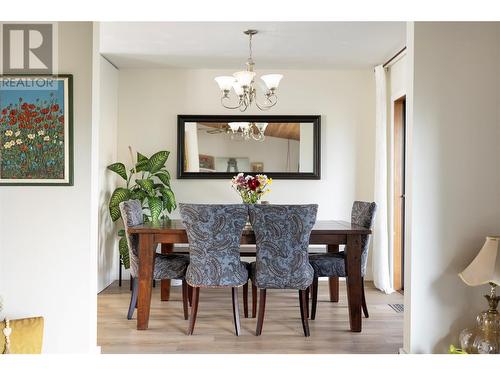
(141, 157)
(141, 166)
(168, 198)
(147, 185)
(118, 196)
(157, 161)
(115, 213)
(121, 232)
(119, 168)
(123, 249)
(156, 207)
(164, 178)
(138, 194)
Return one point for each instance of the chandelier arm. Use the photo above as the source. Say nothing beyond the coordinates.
(265, 107)
(227, 106)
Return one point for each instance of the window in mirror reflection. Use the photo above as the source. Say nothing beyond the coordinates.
(249, 147)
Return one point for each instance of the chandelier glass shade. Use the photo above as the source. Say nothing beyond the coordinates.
(243, 85)
(248, 130)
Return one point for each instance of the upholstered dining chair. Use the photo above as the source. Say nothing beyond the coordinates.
(214, 234)
(282, 238)
(166, 266)
(333, 264)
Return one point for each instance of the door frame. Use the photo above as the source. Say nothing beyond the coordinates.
(398, 170)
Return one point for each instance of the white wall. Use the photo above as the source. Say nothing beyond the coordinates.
(454, 175)
(150, 100)
(45, 232)
(108, 128)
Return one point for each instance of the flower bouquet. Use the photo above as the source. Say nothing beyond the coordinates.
(250, 188)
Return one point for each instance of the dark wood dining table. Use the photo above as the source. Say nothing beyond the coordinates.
(325, 232)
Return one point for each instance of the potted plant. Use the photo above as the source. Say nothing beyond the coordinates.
(149, 182)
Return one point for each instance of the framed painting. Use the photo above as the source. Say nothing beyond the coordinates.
(36, 130)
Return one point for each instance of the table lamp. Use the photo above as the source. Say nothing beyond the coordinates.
(484, 269)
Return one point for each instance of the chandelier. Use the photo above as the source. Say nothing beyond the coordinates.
(248, 130)
(243, 85)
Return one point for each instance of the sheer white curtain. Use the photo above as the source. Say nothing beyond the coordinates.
(381, 259)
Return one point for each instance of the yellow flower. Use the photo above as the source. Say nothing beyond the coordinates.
(269, 181)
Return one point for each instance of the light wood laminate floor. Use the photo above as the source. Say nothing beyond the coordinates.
(282, 331)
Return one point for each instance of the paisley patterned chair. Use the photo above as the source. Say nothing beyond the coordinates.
(333, 264)
(282, 239)
(214, 234)
(167, 266)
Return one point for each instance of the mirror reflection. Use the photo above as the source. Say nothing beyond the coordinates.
(231, 147)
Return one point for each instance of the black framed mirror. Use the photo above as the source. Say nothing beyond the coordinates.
(219, 147)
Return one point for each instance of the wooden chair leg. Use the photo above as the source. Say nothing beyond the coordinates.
(363, 299)
(254, 300)
(120, 263)
(190, 295)
(194, 309)
(262, 309)
(314, 303)
(185, 299)
(236, 311)
(133, 297)
(303, 312)
(307, 301)
(245, 300)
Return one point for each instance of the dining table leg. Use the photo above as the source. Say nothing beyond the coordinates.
(354, 281)
(333, 282)
(165, 284)
(146, 265)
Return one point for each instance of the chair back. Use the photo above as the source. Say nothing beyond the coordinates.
(214, 234)
(131, 211)
(282, 239)
(363, 214)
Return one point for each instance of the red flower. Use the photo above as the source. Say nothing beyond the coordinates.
(24, 148)
(253, 184)
(13, 112)
(61, 118)
(46, 126)
(38, 120)
(39, 145)
(55, 108)
(4, 111)
(12, 121)
(32, 106)
(24, 107)
(44, 111)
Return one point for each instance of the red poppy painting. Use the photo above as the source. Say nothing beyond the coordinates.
(35, 130)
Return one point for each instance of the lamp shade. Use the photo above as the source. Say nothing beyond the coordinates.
(485, 268)
(261, 126)
(272, 81)
(244, 77)
(237, 88)
(225, 82)
(235, 126)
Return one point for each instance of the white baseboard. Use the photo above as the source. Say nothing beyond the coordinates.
(402, 351)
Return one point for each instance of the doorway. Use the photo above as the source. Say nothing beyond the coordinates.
(399, 153)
